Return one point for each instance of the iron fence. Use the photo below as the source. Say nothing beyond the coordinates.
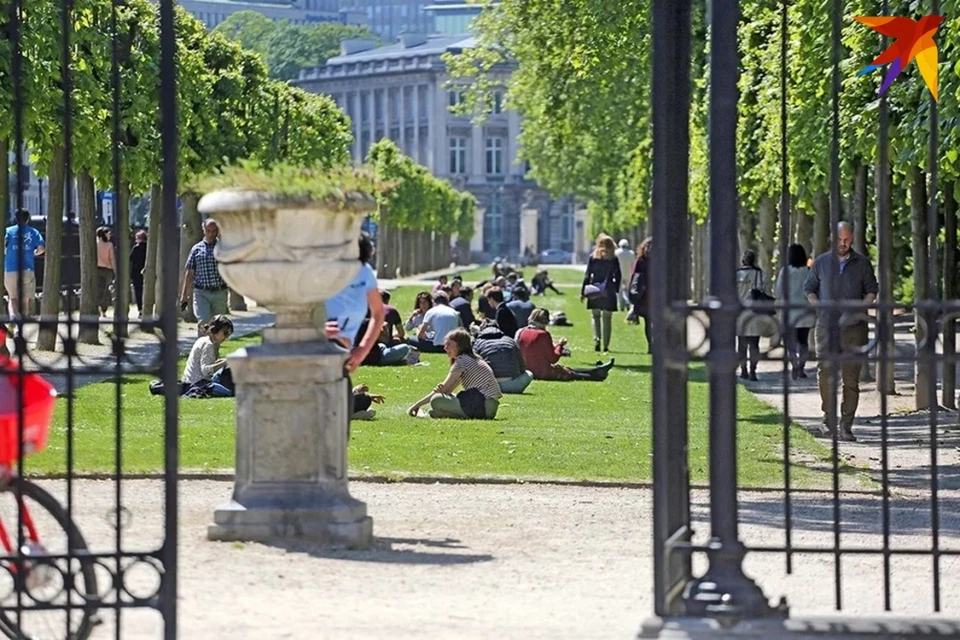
(703, 334)
(73, 556)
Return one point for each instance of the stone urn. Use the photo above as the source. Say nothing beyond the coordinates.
(292, 396)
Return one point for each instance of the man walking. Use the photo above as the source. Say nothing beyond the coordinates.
(844, 276)
(626, 257)
(33, 246)
(202, 281)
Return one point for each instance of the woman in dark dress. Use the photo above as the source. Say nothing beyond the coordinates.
(601, 282)
(639, 289)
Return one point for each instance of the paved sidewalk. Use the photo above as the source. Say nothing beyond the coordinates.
(474, 561)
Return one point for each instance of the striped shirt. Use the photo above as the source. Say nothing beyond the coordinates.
(477, 374)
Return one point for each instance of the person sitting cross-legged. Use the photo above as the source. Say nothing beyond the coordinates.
(481, 394)
(205, 368)
(541, 355)
(362, 401)
(503, 355)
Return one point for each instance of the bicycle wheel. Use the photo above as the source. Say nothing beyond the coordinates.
(43, 584)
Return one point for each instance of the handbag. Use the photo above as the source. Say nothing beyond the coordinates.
(759, 295)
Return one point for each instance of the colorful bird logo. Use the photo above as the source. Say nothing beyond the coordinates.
(914, 39)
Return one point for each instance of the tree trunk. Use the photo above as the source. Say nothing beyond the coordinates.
(821, 223)
(191, 232)
(860, 210)
(768, 223)
(747, 232)
(805, 231)
(86, 195)
(918, 227)
(121, 308)
(886, 380)
(383, 243)
(153, 245)
(53, 256)
(237, 301)
(949, 293)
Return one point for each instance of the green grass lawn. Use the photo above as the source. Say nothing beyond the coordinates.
(569, 430)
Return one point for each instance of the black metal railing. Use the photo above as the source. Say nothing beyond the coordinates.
(66, 569)
(704, 333)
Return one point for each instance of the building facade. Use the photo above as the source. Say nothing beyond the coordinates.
(213, 12)
(389, 18)
(403, 92)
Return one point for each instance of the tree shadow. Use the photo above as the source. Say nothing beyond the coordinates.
(384, 551)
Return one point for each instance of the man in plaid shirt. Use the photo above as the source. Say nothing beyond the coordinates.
(202, 278)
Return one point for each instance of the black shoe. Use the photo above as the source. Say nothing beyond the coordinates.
(794, 373)
(802, 374)
(596, 346)
(743, 374)
(753, 376)
(825, 431)
(846, 434)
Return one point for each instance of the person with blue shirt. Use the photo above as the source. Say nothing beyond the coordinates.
(347, 310)
(33, 246)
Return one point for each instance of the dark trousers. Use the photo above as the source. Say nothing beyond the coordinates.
(137, 281)
(851, 340)
(425, 346)
(751, 345)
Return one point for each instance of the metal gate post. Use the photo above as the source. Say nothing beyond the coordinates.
(669, 285)
(724, 591)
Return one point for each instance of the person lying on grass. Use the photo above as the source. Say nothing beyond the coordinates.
(481, 394)
(541, 355)
(204, 366)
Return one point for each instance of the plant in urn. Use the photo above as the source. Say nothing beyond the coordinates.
(289, 240)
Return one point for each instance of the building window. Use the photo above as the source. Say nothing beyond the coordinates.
(494, 156)
(458, 156)
(493, 225)
(454, 99)
(498, 102)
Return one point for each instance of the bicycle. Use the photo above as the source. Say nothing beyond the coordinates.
(40, 580)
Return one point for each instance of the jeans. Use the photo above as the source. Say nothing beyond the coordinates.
(602, 326)
(393, 355)
(207, 304)
(445, 405)
(595, 374)
(425, 346)
(217, 390)
(516, 385)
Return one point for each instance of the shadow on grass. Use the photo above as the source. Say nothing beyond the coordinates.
(384, 551)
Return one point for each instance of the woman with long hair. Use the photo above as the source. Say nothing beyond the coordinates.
(601, 286)
(421, 305)
(801, 319)
(639, 289)
(481, 393)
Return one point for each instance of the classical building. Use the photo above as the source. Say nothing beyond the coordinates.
(213, 12)
(402, 92)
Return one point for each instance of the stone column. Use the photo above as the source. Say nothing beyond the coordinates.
(372, 111)
(513, 133)
(476, 242)
(357, 120)
(403, 119)
(431, 128)
(387, 114)
(528, 229)
(415, 152)
(293, 400)
(478, 168)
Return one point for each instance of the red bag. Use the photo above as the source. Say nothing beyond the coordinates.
(39, 400)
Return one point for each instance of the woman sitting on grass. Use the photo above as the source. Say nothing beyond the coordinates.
(541, 355)
(421, 305)
(481, 394)
(205, 367)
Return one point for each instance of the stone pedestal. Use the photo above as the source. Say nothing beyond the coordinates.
(291, 476)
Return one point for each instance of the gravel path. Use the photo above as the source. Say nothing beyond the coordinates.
(480, 561)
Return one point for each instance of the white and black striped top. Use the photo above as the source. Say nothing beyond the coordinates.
(477, 374)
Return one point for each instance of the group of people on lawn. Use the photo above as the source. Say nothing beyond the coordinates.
(498, 347)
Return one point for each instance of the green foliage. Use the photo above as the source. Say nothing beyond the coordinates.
(334, 185)
(418, 200)
(287, 48)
